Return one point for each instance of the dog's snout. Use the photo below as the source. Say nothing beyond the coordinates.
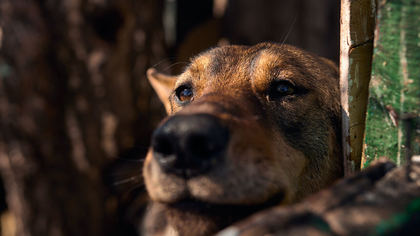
(189, 145)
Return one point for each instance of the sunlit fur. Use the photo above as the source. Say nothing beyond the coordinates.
(286, 147)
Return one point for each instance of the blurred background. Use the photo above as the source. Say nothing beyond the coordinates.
(76, 111)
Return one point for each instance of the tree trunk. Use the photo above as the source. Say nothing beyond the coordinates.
(73, 96)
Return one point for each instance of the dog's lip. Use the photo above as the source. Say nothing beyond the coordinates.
(192, 204)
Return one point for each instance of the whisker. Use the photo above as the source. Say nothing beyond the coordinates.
(125, 172)
(131, 159)
(140, 148)
(290, 30)
(174, 64)
(132, 179)
(126, 176)
(134, 187)
(167, 59)
(160, 62)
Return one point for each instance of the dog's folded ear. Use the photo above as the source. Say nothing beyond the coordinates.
(330, 63)
(163, 85)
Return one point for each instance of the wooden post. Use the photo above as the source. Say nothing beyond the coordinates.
(356, 43)
(393, 120)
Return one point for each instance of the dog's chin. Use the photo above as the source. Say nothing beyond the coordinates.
(190, 216)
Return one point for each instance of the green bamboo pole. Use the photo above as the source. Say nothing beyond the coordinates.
(393, 127)
(356, 43)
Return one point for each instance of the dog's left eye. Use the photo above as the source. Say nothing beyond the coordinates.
(279, 89)
(184, 93)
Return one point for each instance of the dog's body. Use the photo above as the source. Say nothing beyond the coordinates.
(248, 128)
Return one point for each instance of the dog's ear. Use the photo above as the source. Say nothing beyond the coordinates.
(330, 63)
(163, 85)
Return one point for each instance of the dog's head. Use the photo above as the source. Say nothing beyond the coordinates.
(247, 126)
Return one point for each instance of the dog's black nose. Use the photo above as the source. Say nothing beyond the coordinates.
(189, 145)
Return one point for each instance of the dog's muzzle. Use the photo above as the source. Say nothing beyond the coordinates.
(190, 145)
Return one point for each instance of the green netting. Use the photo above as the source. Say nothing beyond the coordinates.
(392, 127)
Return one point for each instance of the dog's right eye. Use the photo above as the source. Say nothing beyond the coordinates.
(280, 89)
(184, 93)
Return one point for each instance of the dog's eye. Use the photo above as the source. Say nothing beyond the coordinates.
(279, 89)
(184, 93)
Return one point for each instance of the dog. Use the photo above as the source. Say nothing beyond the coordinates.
(248, 127)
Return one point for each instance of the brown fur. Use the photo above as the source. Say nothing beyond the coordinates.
(279, 151)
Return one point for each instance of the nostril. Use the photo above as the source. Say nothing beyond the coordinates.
(163, 146)
(202, 147)
(164, 151)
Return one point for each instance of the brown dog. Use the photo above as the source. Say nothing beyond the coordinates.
(248, 128)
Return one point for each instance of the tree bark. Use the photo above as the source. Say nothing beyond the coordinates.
(73, 96)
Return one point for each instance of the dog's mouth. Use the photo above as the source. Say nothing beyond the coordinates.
(214, 217)
(229, 212)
